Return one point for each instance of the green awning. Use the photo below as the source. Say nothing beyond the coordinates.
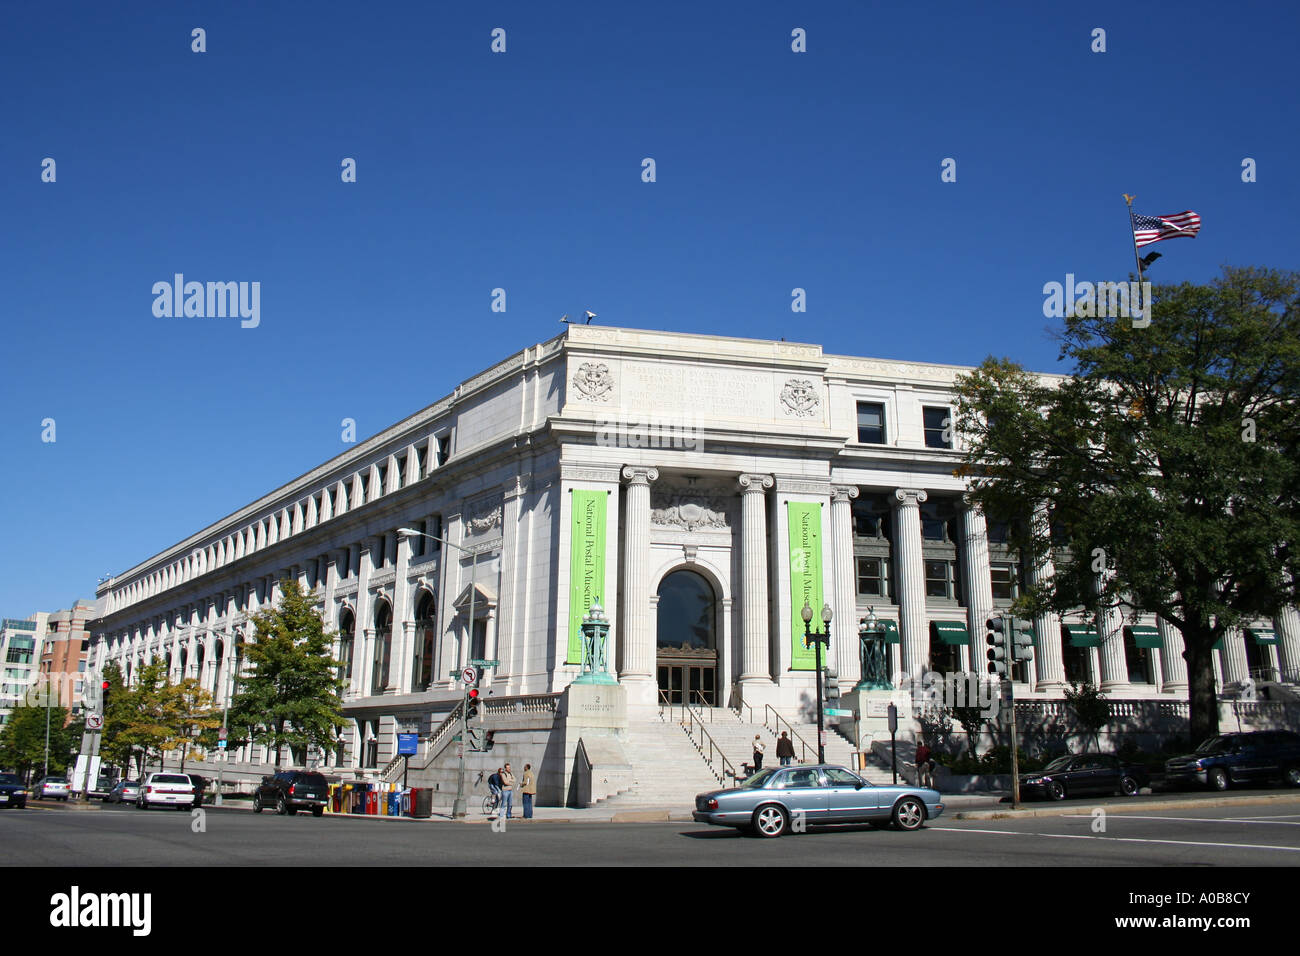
(1217, 645)
(1082, 636)
(1144, 635)
(891, 632)
(951, 632)
(1262, 635)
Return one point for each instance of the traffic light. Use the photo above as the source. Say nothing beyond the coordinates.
(471, 704)
(489, 739)
(1022, 640)
(997, 643)
(830, 687)
(103, 698)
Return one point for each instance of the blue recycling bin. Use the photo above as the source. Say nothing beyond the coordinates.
(394, 803)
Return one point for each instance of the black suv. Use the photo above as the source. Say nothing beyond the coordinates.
(1239, 758)
(292, 790)
(200, 784)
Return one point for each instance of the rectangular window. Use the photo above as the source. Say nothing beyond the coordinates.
(418, 543)
(401, 471)
(19, 655)
(421, 461)
(867, 525)
(999, 532)
(1004, 582)
(871, 423)
(383, 480)
(81, 667)
(938, 579)
(933, 529)
(938, 424)
(436, 532)
(444, 449)
(871, 577)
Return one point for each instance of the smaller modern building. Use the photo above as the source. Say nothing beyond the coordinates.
(65, 653)
(20, 651)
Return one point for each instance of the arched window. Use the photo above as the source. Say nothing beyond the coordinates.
(347, 628)
(426, 612)
(383, 648)
(686, 612)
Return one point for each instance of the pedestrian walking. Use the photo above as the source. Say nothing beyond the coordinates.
(508, 789)
(494, 786)
(528, 786)
(759, 748)
(785, 749)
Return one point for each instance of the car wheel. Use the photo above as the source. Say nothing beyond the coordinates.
(1129, 787)
(1218, 779)
(257, 803)
(317, 811)
(771, 821)
(281, 807)
(909, 813)
(1056, 790)
(1291, 776)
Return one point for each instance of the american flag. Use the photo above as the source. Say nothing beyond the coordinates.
(1149, 229)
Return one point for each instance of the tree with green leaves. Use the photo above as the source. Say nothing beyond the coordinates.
(22, 740)
(115, 748)
(150, 715)
(1166, 463)
(290, 692)
(194, 713)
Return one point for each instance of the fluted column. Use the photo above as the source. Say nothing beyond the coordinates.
(1114, 664)
(363, 634)
(638, 640)
(1287, 623)
(754, 662)
(399, 667)
(1173, 666)
(979, 577)
(1049, 656)
(844, 655)
(911, 582)
(1235, 667)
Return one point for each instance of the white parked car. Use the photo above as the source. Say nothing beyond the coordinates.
(56, 788)
(165, 789)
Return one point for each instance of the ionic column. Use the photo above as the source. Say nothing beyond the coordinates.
(399, 668)
(979, 577)
(844, 655)
(1114, 663)
(1235, 667)
(363, 636)
(754, 663)
(638, 640)
(1172, 663)
(1049, 656)
(1287, 623)
(911, 583)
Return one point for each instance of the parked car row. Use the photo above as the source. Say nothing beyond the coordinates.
(166, 789)
(1229, 759)
(13, 793)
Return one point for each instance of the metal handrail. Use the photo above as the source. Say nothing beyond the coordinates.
(728, 768)
(703, 703)
(735, 709)
(794, 734)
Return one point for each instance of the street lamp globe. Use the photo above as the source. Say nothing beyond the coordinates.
(806, 613)
(826, 613)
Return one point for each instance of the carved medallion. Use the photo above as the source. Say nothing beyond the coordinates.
(690, 510)
(800, 397)
(593, 381)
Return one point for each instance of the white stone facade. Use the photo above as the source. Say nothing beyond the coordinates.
(701, 445)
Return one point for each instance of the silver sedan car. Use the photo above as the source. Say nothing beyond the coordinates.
(781, 799)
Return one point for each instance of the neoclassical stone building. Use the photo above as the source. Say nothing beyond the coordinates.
(702, 487)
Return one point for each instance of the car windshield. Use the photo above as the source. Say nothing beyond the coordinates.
(1060, 763)
(9, 780)
(1214, 745)
(758, 781)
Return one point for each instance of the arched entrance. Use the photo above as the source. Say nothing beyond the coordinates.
(686, 639)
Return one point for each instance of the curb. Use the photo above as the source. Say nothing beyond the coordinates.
(1060, 811)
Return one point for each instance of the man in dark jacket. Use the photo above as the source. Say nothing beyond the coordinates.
(785, 749)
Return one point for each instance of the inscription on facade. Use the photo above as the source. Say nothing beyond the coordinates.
(726, 393)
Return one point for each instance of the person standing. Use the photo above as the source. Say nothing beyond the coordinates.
(508, 789)
(759, 748)
(924, 778)
(785, 749)
(528, 786)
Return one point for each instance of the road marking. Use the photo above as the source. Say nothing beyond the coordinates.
(1082, 836)
(1129, 816)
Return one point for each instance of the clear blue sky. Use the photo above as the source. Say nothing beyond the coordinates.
(522, 170)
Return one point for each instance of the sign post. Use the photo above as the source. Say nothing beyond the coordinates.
(893, 742)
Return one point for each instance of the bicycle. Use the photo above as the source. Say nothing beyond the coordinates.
(491, 804)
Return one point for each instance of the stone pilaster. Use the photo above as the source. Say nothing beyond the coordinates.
(1235, 667)
(754, 661)
(363, 633)
(638, 640)
(399, 668)
(1287, 623)
(979, 580)
(844, 653)
(913, 622)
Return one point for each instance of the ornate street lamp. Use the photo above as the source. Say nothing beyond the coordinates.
(871, 653)
(818, 638)
(595, 641)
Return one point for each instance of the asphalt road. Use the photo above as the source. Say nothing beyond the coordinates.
(1266, 835)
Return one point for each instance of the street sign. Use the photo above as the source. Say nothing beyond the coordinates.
(469, 675)
(836, 712)
(222, 733)
(94, 721)
(408, 744)
(221, 745)
(478, 663)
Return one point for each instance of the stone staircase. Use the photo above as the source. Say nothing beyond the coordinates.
(672, 766)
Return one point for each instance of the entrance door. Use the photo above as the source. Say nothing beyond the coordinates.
(689, 682)
(687, 655)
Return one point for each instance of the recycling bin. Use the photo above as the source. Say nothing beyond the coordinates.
(422, 802)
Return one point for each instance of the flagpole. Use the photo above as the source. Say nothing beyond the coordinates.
(1133, 233)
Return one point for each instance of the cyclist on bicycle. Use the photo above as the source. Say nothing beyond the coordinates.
(495, 787)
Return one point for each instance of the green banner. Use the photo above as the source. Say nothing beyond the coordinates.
(805, 520)
(586, 562)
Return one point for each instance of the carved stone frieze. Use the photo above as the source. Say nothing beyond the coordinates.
(594, 381)
(689, 509)
(801, 398)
